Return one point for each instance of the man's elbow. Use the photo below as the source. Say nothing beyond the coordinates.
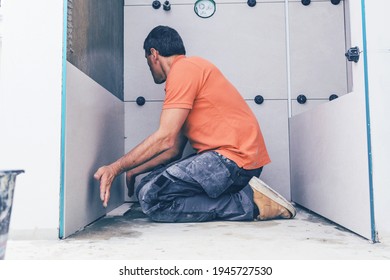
(176, 154)
(172, 148)
(168, 143)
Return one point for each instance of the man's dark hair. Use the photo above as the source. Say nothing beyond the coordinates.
(165, 40)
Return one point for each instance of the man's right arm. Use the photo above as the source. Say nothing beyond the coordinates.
(158, 143)
(166, 157)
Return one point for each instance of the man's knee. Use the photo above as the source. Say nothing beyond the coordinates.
(150, 190)
(149, 179)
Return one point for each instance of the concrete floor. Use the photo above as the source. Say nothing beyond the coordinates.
(133, 236)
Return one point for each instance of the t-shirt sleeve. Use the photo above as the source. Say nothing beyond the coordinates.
(182, 85)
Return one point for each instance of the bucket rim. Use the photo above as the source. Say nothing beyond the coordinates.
(7, 172)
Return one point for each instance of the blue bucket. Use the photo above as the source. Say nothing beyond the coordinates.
(7, 187)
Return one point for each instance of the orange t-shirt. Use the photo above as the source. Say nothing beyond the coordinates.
(219, 118)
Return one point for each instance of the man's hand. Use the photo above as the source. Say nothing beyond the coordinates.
(106, 175)
(130, 182)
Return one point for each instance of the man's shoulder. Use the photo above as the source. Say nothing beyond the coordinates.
(195, 62)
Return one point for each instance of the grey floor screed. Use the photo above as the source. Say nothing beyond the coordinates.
(134, 236)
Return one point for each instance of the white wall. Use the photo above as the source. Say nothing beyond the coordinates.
(378, 49)
(30, 109)
(1, 30)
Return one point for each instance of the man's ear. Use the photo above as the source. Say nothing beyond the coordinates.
(154, 53)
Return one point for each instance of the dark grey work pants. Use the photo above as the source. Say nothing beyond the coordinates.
(202, 187)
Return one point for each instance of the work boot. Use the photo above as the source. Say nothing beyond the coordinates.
(270, 204)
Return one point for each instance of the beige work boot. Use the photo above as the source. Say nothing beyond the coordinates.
(271, 205)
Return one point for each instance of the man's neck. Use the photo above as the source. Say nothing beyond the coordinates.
(166, 63)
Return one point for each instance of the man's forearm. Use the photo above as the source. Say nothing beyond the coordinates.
(164, 158)
(148, 150)
(151, 158)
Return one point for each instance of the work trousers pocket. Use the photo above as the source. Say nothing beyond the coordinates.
(207, 170)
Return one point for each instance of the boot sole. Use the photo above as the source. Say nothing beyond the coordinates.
(260, 186)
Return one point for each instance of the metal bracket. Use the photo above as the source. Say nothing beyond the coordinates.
(353, 54)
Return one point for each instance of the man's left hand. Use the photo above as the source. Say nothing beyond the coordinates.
(106, 175)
